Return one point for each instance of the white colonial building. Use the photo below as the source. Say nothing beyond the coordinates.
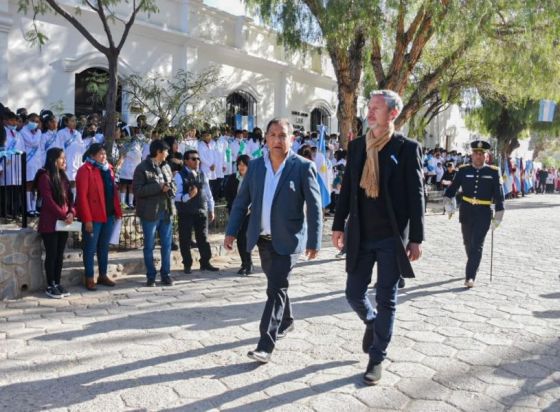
(262, 80)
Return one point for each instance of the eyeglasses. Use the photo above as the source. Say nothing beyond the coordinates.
(195, 158)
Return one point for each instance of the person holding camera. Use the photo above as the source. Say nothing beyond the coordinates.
(195, 207)
(155, 190)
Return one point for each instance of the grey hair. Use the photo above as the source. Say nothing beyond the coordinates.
(392, 99)
(281, 121)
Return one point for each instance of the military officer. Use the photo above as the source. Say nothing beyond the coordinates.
(482, 186)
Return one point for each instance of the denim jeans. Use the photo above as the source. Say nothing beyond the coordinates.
(97, 242)
(163, 226)
(381, 319)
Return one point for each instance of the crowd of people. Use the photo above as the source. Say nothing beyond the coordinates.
(70, 175)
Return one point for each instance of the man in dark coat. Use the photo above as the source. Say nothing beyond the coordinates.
(382, 196)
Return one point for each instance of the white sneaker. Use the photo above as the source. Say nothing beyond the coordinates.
(469, 283)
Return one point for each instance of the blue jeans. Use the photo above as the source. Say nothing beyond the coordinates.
(381, 319)
(97, 241)
(164, 227)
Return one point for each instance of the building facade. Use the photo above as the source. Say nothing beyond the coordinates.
(261, 79)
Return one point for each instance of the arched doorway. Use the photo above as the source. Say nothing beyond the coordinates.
(241, 110)
(91, 91)
(319, 116)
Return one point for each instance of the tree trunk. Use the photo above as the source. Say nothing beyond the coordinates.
(111, 103)
(346, 112)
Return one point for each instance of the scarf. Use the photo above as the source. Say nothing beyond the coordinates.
(370, 175)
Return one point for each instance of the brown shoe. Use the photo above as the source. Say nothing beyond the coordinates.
(90, 284)
(104, 280)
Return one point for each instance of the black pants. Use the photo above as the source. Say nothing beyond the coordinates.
(54, 254)
(216, 188)
(474, 232)
(277, 314)
(198, 222)
(246, 260)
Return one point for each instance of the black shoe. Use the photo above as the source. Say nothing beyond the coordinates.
(283, 332)
(151, 283)
(367, 340)
(249, 269)
(401, 283)
(373, 373)
(174, 246)
(53, 292)
(187, 270)
(259, 355)
(63, 291)
(167, 281)
(210, 268)
(241, 271)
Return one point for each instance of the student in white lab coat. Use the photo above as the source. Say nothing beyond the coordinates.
(31, 144)
(73, 147)
(208, 159)
(132, 157)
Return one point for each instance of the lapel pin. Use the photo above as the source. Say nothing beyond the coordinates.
(292, 185)
(394, 159)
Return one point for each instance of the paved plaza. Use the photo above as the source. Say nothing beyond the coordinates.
(495, 347)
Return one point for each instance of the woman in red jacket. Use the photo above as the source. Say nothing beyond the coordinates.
(97, 204)
(54, 190)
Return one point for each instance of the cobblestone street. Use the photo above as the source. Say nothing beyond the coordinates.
(495, 347)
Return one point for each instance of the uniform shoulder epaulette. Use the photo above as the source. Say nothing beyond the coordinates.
(494, 167)
(465, 165)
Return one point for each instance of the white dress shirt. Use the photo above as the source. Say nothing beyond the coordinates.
(270, 184)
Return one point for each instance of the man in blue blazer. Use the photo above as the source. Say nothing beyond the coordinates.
(276, 188)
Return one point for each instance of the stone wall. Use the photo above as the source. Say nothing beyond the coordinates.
(21, 269)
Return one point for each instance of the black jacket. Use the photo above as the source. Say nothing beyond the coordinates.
(402, 182)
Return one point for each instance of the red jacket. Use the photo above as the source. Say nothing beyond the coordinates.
(50, 210)
(90, 195)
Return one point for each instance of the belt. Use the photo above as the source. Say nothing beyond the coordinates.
(474, 201)
(266, 237)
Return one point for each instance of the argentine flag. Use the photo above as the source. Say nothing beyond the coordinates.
(546, 111)
(322, 166)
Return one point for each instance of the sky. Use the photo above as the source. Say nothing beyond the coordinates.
(231, 6)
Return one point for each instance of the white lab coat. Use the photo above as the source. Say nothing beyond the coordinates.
(208, 157)
(74, 149)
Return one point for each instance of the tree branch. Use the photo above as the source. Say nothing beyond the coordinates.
(128, 25)
(78, 26)
(103, 18)
(376, 62)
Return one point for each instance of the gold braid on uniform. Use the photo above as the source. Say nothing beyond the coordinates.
(370, 175)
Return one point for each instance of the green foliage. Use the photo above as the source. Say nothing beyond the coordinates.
(97, 86)
(182, 101)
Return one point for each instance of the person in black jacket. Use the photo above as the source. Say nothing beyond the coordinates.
(382, 195)
(233, 183)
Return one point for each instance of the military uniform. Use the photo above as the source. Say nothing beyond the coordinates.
(481, 187)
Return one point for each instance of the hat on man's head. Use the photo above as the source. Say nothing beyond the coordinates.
(480, 145)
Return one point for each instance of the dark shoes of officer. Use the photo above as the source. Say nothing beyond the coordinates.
(373, 373)
(282, 332)
(367, 340)
(187, 270)
(259, 355)
(245, 270)
(209, 267)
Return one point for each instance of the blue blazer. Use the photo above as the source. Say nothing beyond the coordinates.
(298, 184)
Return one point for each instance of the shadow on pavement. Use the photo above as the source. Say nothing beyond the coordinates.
(274, 401)
(534, 205)
(537, 375)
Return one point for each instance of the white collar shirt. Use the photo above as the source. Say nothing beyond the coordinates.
(270, 184)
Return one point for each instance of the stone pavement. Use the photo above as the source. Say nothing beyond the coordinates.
(495, 347)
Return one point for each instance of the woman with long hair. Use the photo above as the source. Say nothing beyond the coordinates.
(57, 204)
(98, 206)
(232, 185)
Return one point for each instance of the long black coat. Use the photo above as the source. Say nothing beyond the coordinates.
(402, 185)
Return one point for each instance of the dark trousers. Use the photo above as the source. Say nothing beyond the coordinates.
(54, 253)
(198, 222)
(474, 231)
(216, 188)
(381, 319)
(246, 260)
(277, 314)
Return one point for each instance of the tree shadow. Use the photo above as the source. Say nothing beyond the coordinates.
(533, 205)
(547, 314)
(537, 375)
